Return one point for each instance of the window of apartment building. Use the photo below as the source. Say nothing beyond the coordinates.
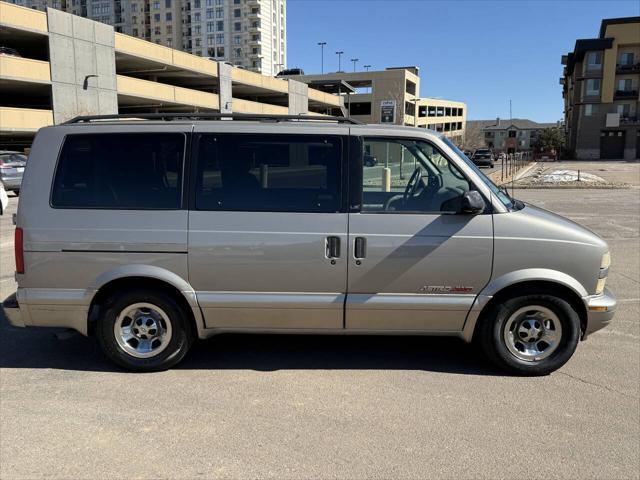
(196, 3)
(168, 16)
(134, 7)
(219, 51)
(156, 17)
(447, 112)
(624, 109)
(219, 25)
(209, 3)
(590, 109)
(440, 111)
(236, 2)
(219, 2)
(198, 42)
(625, 84)
(237, 13)
(196, 17)
(209, 14)
(512, 134)
(237, 40)
(134, 19)
(593, 86)
(169, 29)
(255, 50)
(238, 52)
(210, 27)
(197, 30)
(431, 111)
(237, 27)
(169, 41)
(256, 37)
(210, 40)
(219, 12)
(594, 61)
(626, 58)
(156, 5)
(135, 32)
(459, 125)
(219, 38)
(167, 3)
(158, 30)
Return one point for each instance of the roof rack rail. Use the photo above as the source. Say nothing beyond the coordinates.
(210, 116)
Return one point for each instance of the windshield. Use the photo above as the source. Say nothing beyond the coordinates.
(501, 194)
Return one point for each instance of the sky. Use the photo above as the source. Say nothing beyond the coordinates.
(480, 52)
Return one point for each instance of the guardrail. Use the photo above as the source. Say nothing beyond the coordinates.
(512, 163)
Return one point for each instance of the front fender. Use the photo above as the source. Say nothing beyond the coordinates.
(533, 274)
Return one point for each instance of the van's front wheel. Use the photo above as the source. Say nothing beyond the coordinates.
(144, 331)
(530, 335)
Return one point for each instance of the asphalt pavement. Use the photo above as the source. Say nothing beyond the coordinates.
(335, 407)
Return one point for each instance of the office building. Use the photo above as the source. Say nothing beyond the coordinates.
(392, 96)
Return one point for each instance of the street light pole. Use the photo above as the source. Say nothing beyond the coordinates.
(354, 60)
(322, 44)
(339, 58)
(367, 67)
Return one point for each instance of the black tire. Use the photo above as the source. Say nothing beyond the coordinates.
(181, 339)
(16, 193)
(492, 341)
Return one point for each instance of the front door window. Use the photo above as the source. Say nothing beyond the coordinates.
(409, 176)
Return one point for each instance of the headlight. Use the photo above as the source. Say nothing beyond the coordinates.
(605, 263)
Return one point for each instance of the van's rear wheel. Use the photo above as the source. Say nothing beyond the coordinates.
(530, 335)
(144, 331)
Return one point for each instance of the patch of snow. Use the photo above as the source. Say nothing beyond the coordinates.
(559, 176)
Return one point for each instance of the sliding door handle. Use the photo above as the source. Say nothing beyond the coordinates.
(360, 248)
(332, 245)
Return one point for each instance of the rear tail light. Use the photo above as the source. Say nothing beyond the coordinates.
(18, 243)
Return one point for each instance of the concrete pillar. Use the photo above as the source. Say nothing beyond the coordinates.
(83, 66)
(298, 98)
(225, 88)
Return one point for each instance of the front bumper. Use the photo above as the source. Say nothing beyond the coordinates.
(600, 311)
(11, 310)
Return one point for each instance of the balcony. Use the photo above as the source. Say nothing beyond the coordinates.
(629, 120)
(254, 13)
(625, 94)
(625, 69)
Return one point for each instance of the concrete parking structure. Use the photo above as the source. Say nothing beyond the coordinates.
(72, 66)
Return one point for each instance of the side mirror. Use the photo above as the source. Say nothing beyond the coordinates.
(472, 202)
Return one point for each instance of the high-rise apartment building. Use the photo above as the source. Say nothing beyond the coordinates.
(600, 86)
(247, 33)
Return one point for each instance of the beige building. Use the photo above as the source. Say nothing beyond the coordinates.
(392, 96)
(71, 66)
(247, 33)
(600, 85)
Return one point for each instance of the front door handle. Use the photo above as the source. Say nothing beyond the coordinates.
(332, 245)
(360, 249)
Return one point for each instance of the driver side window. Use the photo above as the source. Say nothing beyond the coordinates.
(409, 176)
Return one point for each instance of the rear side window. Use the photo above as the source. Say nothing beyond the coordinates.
(275, 173)
(120, 171)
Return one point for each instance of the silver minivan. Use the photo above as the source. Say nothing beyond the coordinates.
(149, 233)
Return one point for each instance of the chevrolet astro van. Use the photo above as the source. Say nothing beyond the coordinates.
(151, 232)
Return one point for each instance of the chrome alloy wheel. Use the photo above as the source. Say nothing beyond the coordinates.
(532, 333)
(142, 330)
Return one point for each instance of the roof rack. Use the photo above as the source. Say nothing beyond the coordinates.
(211, 116)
